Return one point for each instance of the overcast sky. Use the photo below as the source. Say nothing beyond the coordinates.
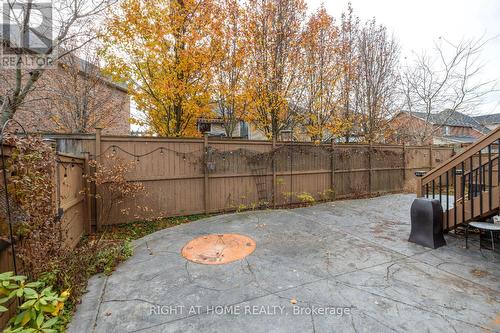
(418, 23)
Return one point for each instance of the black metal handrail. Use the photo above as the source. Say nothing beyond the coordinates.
(474, 181)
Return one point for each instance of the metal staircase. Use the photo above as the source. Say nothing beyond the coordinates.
(467, 185)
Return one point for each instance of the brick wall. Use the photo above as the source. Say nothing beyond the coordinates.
(458, 131)
(407, 129)
(56, 100)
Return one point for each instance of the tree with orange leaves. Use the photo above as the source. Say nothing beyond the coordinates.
(164, 49)
(348, 59)
(273, 29)
(321, 73)
(231, 70)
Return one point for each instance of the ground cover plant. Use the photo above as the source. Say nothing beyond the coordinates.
(138, 229)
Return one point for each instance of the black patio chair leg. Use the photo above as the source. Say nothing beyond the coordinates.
(492, 241)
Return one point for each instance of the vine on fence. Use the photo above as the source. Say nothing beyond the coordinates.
(286, 159)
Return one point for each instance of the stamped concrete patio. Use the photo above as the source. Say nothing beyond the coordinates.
(344, 266)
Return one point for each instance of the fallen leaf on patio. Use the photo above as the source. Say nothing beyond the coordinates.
(293, 301)
(479, 273)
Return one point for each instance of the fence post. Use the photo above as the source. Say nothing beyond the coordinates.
(275, 187)
(404, 165)
(98, 132)
(205, 173)
(97, 149)
(419, 187)
(332, 164)
(87, 189)
(430, 156)
(370, 166)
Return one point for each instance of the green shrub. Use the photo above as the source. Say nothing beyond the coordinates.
(90, 257)
(327, 195)
(40, 309)
(305, 197)
(108, 258)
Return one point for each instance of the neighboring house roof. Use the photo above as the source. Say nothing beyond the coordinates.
(450, 118)
(488, 119)
(216, 120)
(87, 67)
(458, 138)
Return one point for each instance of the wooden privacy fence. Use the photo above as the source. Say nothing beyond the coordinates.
(71, 199)
(71, 208)
(192, 176)
(70, 203)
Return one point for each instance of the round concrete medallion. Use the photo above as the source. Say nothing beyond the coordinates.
(218, 249)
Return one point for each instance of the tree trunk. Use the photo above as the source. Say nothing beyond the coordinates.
(7, 112)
